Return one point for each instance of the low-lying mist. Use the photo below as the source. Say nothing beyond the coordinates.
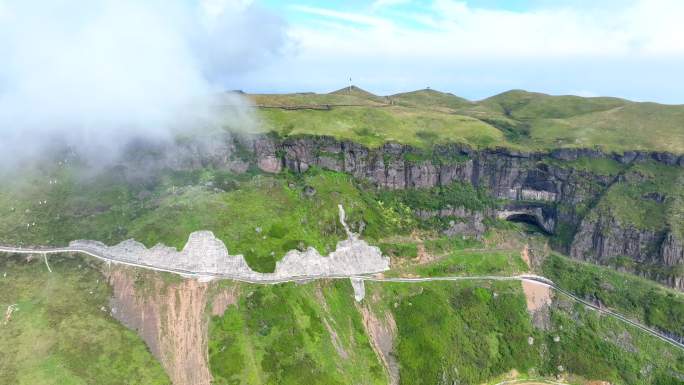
(94, 75)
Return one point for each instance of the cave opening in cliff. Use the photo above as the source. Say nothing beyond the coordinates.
(530, 220)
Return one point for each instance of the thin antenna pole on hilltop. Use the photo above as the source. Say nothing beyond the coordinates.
(350, 85)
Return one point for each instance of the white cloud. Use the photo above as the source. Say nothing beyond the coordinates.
(96, 73)
(356, 18)
(628, 48)
(455, 29)
(377, 4)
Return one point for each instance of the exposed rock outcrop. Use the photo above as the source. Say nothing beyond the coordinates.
(602, 238)
(672, 250)
(654, 254)
(207, 256)
(539, 187)
(464, 222)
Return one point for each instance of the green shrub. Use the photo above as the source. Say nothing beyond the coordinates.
(406, 250)
(637, 297)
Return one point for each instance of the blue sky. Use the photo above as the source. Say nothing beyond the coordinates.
(473, 48)
(477, 48)
(119, 69)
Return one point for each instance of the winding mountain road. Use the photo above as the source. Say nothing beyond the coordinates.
(370, 278)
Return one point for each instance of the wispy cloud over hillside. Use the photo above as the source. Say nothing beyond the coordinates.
(96, 73)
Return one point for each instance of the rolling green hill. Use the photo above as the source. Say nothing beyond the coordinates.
(516, 119)
(430, 99)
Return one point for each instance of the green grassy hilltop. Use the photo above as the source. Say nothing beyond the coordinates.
(516, 119)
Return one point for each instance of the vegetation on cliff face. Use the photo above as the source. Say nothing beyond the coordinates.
(453, 195)
(481, 331)
(471, 332)
(465, 332)
(598, 166)
(648, 196)
(596, 347)
(265, 217)
(636, 297)
(451, 332)
(293, 334)
(259, 216)
(61, 332)
(637, 224)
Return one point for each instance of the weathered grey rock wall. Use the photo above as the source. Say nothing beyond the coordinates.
(556, 196)
(657, 255)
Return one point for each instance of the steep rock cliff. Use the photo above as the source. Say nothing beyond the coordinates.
(558, 190)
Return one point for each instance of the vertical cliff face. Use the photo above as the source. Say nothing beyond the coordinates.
(672, 252)
(655, 254)
(602, 238)
(636, 224)
(558, 190)
(563, 191)
(528, 182)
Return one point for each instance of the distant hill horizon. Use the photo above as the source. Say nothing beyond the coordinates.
(516, 119)
(357, 90)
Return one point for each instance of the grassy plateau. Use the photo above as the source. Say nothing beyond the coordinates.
(515, 119)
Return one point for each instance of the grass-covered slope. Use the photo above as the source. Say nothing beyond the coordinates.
(451, 332)
(473, 332)
(516, 119)
(523, 105)
(596, 347)
(360, 93)
(61, 332)
(264, 218)
(467, 333)
(373, 126)
(634, 126)
(259, 216)
(293, 334)
(430, 99)
(649, 196)
(638, 298)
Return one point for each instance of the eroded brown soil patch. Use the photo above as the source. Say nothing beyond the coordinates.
(537, 295)
(169, 317)
(222, 299)
(538, 299)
